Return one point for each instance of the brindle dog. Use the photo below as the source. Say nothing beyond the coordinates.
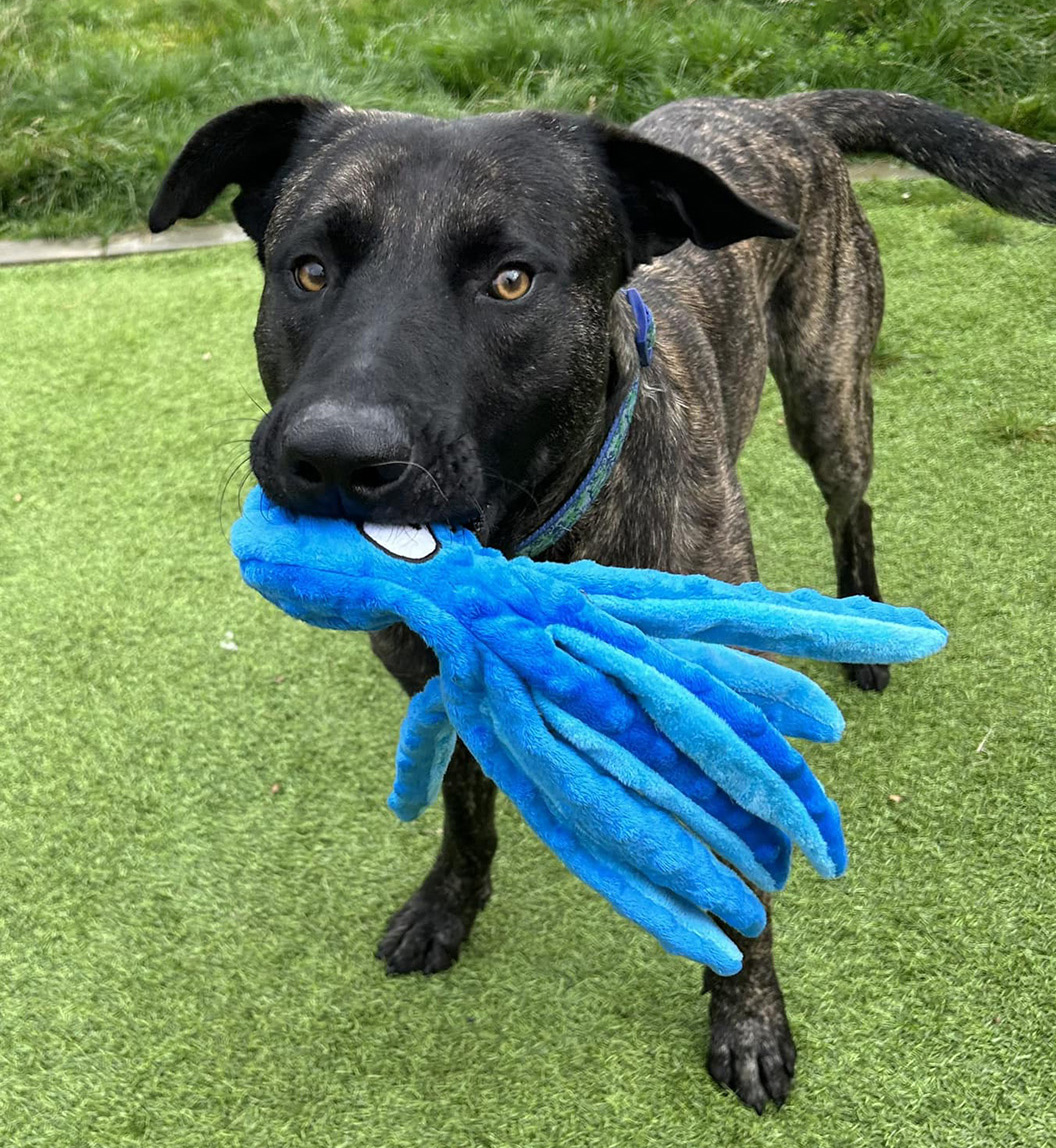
(442, 339)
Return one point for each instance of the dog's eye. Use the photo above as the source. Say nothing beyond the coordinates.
(511, 283)
(310, 274)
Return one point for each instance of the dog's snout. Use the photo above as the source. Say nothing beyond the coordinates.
(333, 457)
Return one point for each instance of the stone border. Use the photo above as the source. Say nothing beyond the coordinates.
(14, 252)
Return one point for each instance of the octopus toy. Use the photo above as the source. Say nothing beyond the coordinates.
(608, 704)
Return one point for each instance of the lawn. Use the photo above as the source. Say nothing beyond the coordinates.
(96, 96)
(195, 855)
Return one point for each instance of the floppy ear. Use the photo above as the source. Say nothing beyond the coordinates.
(248, 145)
(668, 198)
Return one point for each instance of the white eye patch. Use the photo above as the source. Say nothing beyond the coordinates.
(414, 543)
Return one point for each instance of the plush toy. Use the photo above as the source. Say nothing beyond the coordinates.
(605, 703)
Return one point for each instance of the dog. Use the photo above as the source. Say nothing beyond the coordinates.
(442, 337)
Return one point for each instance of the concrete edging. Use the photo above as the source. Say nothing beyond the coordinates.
(15, 252)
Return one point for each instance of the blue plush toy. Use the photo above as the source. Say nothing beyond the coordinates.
(605, 703)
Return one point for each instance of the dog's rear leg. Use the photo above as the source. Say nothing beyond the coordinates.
(426, 934)
(751, 1050)
(824, 318)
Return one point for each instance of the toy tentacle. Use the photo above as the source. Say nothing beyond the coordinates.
(427, 741)
(800, 622)
(770, 847)
(793, 704)
(611, 757)
(738, 756)
(747, 721)
(601, 704)
(641, 738)
(616, 819)
(679, 927)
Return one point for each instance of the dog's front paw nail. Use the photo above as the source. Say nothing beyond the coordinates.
(755, 1058)
(427, 933)
(874, 678)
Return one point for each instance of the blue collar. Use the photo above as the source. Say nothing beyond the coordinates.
(582, 498)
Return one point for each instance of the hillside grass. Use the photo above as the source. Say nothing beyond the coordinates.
(97, 96)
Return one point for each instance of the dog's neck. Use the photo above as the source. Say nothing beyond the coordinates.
(621, 405)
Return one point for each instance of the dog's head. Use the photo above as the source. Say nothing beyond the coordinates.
(434, 328)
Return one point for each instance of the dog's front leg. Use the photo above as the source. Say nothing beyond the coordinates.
(426, 934)
(751, 1049)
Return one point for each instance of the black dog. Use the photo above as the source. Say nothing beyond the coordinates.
(442, 339)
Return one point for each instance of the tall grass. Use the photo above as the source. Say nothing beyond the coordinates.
(97, 95)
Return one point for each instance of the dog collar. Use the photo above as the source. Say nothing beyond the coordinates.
(582, 498)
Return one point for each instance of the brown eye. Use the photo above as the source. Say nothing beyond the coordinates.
(310, 275)
(511, 283)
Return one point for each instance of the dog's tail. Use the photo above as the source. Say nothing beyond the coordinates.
(1003, 169)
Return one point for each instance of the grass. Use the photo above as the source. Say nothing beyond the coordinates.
(97, 96)
(885, 356)
(973, 223)
(187, 951)
(1013, 426)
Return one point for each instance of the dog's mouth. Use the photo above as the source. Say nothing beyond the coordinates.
(442, 489)
(404, 531)
(423, 505)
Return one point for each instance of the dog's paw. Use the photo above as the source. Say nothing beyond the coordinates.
(427, 933)
(754, 1057)
(873, 678)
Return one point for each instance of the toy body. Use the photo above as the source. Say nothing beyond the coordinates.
(605, 704)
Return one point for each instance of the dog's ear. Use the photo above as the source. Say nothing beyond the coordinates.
(248, 145)
(668, 198)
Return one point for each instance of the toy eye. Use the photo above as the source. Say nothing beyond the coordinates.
(511, 283)
(310, 274)
(413, 543)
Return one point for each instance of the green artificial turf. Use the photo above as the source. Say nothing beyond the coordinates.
(186, 954)
(97, 96)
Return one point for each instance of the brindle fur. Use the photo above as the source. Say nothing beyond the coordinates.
(809, 307)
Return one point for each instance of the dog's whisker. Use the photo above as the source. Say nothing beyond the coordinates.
(479, 509)
(243, 460)
(232, 442)
(241, 487)
(262, 410)
(425, 470)
(516, 485)
(223, 490)
(234, 459)
(230, 473)
(232, 419)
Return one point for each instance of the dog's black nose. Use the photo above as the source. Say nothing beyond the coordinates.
(337, 459)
